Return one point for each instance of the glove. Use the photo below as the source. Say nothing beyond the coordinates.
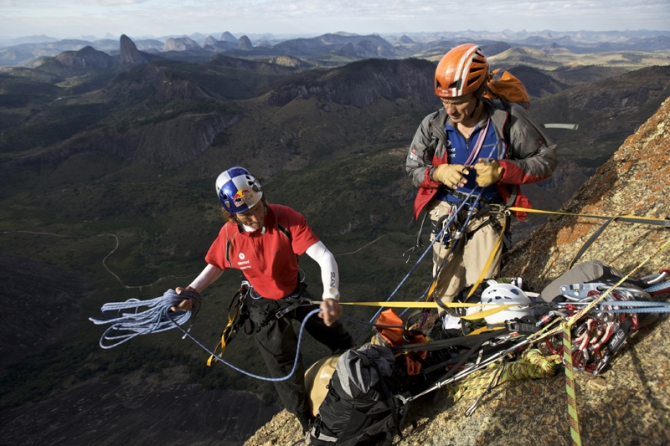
(488, 172)
(451, 175)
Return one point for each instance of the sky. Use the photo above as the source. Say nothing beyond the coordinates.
(143, 18)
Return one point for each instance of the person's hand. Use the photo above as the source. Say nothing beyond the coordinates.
(331, 310)
(451, 175)
(190, 294)
(488, 172)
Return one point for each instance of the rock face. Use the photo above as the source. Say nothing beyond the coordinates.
(211, 41)
(180, 44)
(129, 52)
(228, 37)
(289, 61)
(628, 404)
(634, 182)
(86, 58)
(244, 43)
(361, 83)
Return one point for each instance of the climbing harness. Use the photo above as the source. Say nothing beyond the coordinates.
(241, 313)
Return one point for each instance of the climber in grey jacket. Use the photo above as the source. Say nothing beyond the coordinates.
(473, 144)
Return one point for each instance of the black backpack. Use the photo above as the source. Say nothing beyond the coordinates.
(351, 415)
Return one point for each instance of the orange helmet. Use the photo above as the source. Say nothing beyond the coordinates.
(461, 71)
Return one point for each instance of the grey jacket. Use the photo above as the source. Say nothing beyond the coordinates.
(524, 151)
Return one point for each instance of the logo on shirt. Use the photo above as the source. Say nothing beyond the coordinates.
(240, 197)
(243, 264)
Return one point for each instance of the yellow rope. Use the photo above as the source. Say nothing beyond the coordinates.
(633, 218)
(531, 365)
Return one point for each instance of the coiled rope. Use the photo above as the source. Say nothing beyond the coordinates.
(126, 326)
(159, 317)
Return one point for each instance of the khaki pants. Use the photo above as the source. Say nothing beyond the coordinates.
(468, 258)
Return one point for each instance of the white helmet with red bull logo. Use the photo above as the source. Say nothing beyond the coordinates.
(238, 190)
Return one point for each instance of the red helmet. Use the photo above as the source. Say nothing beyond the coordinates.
(461, 71)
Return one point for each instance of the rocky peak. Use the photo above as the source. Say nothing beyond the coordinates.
(627, 404)
(227, 37)
(129, 52)
(86, 58)
(211, 41)
(180, 44)
(289, 61)
(244, 43)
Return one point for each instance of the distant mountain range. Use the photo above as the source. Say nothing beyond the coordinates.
(332, 48)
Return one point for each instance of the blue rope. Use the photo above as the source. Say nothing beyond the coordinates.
(658, 287)
(152, 320)
(262, 378)
(620, 303)
(158, 317)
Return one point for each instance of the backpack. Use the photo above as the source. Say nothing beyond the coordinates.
(360, 408)
(508, 88)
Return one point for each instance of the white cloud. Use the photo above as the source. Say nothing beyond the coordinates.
(162, 17)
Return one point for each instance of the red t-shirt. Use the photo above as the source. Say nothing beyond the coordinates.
(268, 260)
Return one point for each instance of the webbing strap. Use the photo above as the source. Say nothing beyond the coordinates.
(474, 316)
(624, 218)
(494, 251)
(224, 335)
(484, 329)
(229, 331)
(570, 386)
(590, 241)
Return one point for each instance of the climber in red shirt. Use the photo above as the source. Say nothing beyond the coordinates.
(263, 241)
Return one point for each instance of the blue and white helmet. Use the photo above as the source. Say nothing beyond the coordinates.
(238, 190)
